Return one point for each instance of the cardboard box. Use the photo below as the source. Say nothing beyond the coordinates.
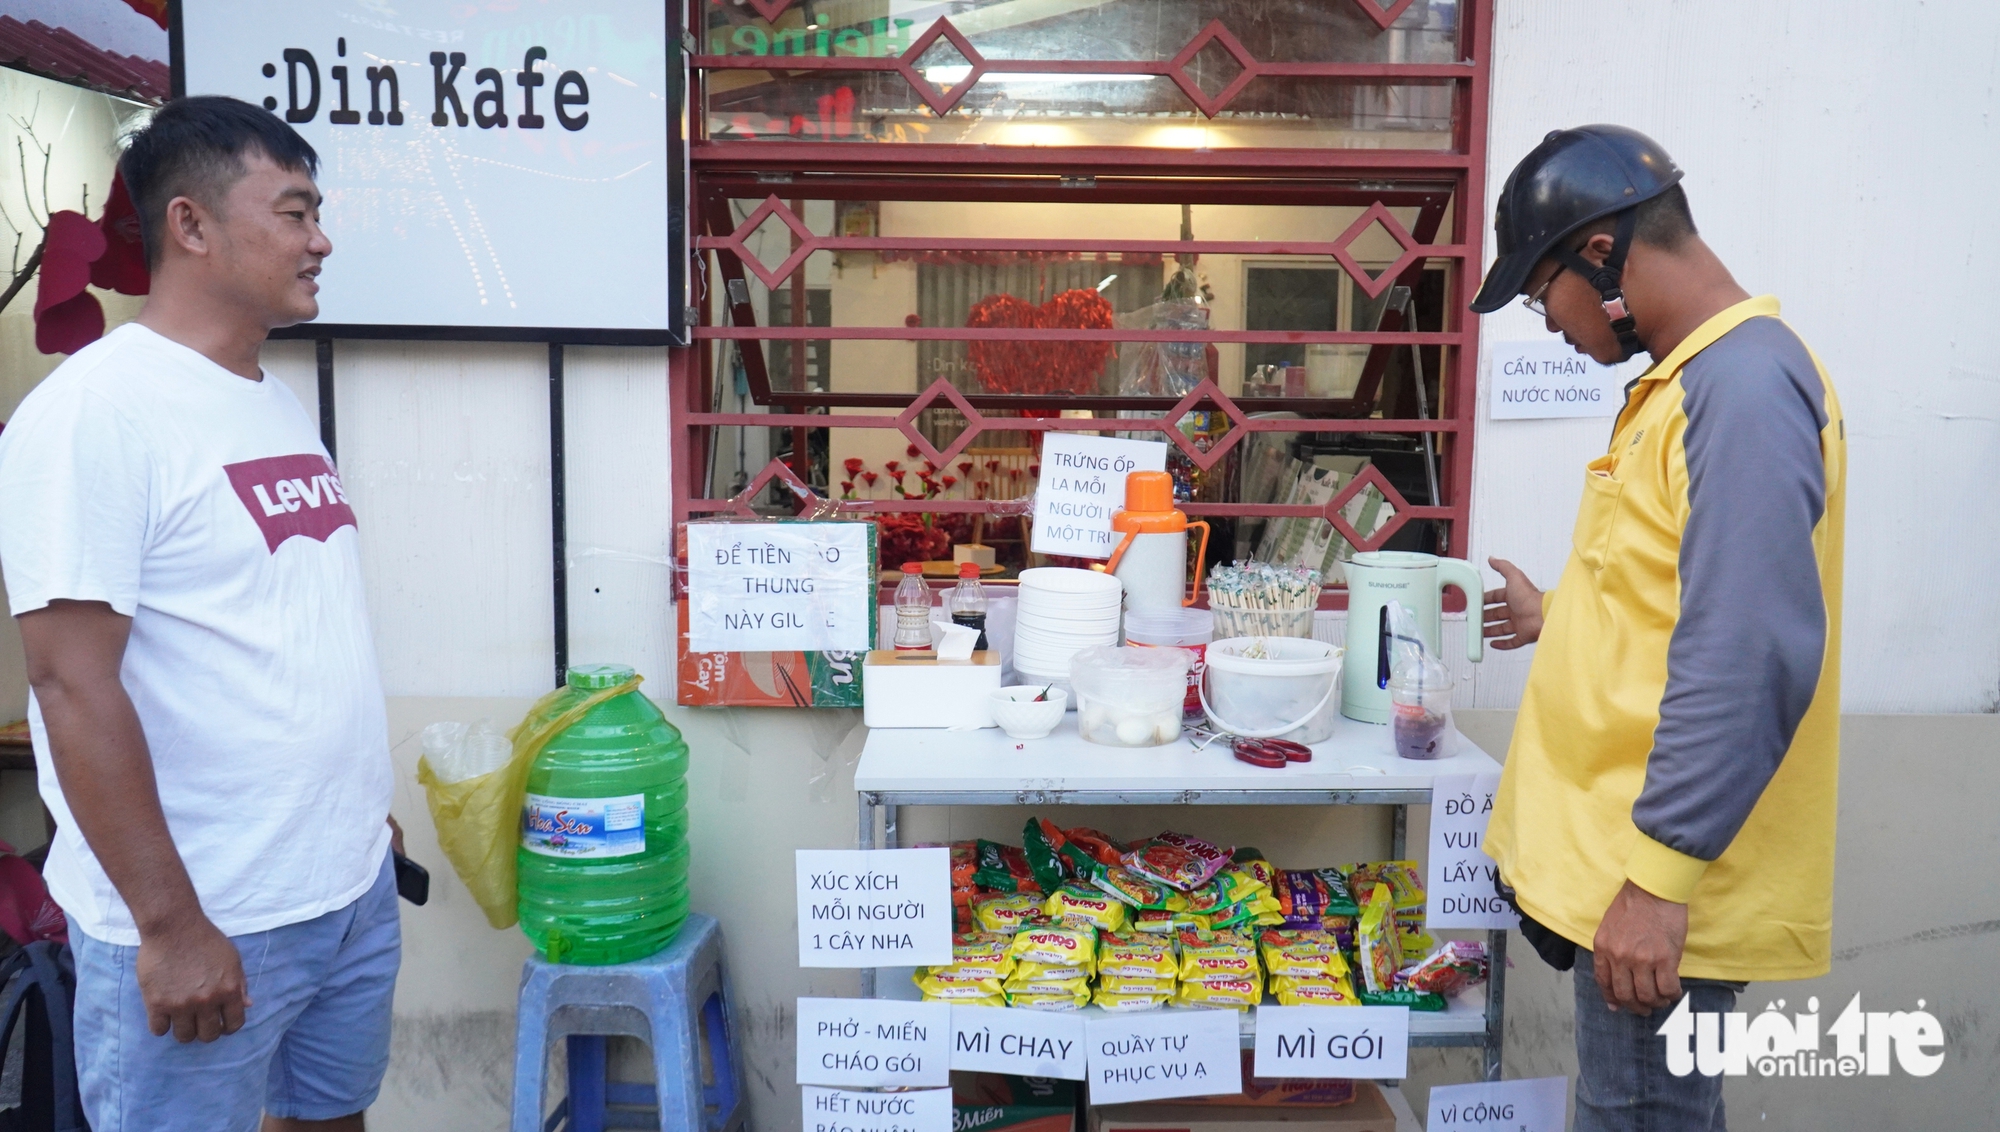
(762, 679)
(997, 1102)
(1293, 1092)
(1370, 1112)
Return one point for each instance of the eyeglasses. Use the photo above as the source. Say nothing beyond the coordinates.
(1534, 302)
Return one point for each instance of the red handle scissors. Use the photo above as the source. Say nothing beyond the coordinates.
(1272, 754)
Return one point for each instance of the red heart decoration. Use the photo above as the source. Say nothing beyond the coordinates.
(1040, 367)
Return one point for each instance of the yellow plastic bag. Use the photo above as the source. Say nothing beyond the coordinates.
(479, 819)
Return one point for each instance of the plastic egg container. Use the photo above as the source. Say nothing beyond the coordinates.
(1130, 697)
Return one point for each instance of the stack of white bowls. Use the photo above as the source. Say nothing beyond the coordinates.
(1061, 613)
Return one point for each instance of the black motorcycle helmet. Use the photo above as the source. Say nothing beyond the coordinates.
(1572, 178)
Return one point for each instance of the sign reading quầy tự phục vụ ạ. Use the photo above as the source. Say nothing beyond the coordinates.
(479, 165)
(779, 587)
(1549, 378)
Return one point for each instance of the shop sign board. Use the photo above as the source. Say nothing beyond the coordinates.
(1083, 482)
(489, 170)
(874, 1042)
(1547, 377)
(1025, 1043)
(1174, 1053)
(874, 907)
(1460, 888)
(1333, 1041)
(1537, 1104)
(851, 1110)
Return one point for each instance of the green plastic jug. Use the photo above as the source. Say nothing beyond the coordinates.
(604, 857)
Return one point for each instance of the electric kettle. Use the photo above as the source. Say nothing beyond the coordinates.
(1378, 577)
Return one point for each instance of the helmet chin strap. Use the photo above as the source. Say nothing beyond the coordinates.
(1606, 277)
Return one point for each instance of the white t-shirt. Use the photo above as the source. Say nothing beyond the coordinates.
(203, 506)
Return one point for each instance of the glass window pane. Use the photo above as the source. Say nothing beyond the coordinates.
(1110, 107)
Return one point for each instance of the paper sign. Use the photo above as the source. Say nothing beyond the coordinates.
(1548, 378)
(844, 1110)
(1028, 1043)
(874, 907)
(1333, 1041)
(1083, 482)
(1178, 1053)
(1460, 885)
(874, 1042)
(1537, 1104)
(779, 587)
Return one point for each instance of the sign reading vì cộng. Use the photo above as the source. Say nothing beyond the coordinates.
(494, 171)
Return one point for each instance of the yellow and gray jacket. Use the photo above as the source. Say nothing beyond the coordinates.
(1680, 727)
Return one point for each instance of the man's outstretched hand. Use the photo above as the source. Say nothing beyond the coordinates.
(1514, 611)
(1637, 952)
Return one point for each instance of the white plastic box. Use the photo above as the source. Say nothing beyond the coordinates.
(916, 689)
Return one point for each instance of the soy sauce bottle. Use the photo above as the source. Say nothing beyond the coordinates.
(968, 601)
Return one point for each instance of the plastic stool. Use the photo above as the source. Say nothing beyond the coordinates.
(672, 1000)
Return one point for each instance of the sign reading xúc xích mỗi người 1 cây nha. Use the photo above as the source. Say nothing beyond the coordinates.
(476, 163)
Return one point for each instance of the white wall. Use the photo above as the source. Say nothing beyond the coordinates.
(1837, 155)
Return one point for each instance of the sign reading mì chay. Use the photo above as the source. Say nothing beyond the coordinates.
(477, 160)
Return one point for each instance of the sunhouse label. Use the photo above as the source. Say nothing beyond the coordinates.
(576, 828)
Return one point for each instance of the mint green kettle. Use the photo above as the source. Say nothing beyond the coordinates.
(1377, 577)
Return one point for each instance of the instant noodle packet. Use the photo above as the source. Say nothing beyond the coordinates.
(1241, 994)
(1216, 955)
(1162, 922)
(1415, 1000)
(1177, 860)
(1031, 972)
(1003, 868)
(1099, 847)
(999, 1000)
(1117, 1002)
(1300, 954)
(1337, 991)
(1042, 999)
(1042, 844)
(1072, 904)
(1121, 985)
(940, 987)
(1135, 956)
(1404, 878)
(1138, 890)
(1375, 942)
(1341, 928)
(1005, 914)
(979, 954)
(1058, 945)
(1302, 897)
(1456, 965)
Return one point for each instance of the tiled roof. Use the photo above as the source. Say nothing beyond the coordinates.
(63, 55)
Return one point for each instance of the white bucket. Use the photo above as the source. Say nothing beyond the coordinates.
(1292, 692)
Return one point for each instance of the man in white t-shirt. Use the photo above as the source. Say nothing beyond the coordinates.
(207, 715)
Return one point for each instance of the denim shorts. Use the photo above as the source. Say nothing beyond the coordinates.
(313, 1046)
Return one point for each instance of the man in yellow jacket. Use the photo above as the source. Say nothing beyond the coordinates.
(1665, 820)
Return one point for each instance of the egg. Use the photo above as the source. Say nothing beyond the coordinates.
(1135, 732)
(1169, 730)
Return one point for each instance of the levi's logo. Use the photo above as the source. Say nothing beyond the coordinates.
(291, 495)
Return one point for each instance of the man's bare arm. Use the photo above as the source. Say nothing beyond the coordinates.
(189, 973)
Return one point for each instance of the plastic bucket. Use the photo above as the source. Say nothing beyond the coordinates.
(1292, 692)
(1181, 628)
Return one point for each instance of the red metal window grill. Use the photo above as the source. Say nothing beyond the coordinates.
(777, 126)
